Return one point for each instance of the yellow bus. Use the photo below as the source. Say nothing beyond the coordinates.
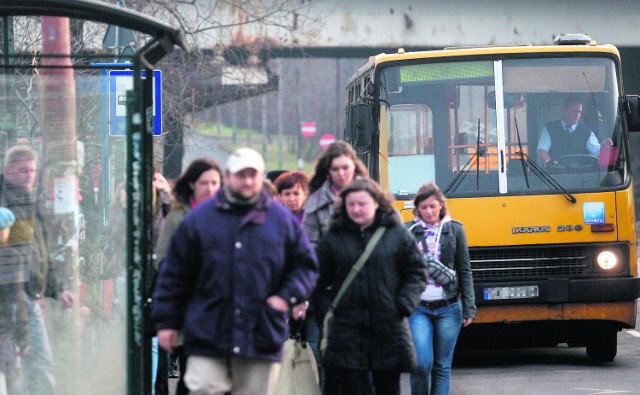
(552, 245)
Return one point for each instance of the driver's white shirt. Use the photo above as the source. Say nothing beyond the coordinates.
(593, 146)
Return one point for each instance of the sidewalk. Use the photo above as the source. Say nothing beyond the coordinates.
(199, 146)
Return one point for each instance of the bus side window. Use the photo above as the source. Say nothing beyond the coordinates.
(410, 130)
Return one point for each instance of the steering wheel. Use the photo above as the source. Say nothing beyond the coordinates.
(575, 163)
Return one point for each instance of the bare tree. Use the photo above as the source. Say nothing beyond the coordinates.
(232, 42)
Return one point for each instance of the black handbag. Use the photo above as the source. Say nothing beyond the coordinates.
(438, 271)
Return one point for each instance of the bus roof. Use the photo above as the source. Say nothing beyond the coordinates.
(376, 60)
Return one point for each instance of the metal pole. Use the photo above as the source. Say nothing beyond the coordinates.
(8, 135)
(139, 229)
(218, 119)
(264, 126)
(249, 122)
(280, 127)
(234, 121)
(59, 174)
(300, 163)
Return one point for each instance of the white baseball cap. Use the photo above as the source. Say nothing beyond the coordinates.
(244, 158)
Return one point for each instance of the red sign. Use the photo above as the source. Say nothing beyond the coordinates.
(326, 140)
(308, 129)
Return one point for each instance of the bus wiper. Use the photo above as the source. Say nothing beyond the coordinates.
(521, 152)
(537, 170)
(457, 180)
(479, 154)
(595, 107)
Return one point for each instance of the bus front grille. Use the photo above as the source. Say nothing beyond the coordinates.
(528, 262)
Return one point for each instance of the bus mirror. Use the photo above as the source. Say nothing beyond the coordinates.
(361, 125)
(509, 100)
(633, 113)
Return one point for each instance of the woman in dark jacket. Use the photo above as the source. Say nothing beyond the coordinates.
(444, 308)
(201, 181)
(369, 332)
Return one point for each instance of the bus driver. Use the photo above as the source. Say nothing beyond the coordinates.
(567, 136)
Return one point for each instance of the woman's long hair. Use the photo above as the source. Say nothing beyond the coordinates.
(383, 198)
(425, 192)
(182, 189)
(323, 164)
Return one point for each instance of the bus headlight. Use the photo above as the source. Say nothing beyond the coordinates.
(607, 260)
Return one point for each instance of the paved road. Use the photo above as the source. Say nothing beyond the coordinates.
(198, 146)
(559, 370)
(523, 372)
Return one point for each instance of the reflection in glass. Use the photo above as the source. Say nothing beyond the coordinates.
(69, 231)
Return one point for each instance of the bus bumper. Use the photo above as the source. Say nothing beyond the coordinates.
(606, 299)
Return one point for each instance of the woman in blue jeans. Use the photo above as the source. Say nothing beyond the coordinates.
(444, 308)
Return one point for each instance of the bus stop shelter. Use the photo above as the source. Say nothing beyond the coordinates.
(90, 203)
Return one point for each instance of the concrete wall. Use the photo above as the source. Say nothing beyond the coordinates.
(433, 23)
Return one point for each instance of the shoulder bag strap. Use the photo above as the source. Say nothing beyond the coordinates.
(422, 241)
(358, 265)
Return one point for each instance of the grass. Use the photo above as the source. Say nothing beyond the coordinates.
(255, 140)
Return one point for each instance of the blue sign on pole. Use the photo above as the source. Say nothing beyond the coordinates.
(121, 81)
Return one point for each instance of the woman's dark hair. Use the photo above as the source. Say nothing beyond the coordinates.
(290, 179)
(383, 198)
(425, 192)
(323, 164)
(182, 189)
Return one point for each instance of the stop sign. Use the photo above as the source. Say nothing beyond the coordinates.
(326, 140)
(308, 129)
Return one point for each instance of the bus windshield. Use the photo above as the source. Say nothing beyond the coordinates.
(510, 126)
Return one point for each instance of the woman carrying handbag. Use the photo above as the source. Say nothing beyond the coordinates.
(448, 302)
(368, 333)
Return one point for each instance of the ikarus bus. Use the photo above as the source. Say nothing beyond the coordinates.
(552, 238)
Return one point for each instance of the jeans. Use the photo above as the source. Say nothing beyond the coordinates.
(38, 363)
(312, 332)
(434, 333)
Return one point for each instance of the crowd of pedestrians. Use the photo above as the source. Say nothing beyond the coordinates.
(236, 269)
(238, 256)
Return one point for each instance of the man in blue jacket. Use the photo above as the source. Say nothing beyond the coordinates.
(235, 267)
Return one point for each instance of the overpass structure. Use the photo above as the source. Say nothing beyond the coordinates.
(432, 23)
(358, 29)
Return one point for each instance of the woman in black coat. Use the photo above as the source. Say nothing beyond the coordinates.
(369, 333)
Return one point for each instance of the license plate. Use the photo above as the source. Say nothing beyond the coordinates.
(524, 292)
